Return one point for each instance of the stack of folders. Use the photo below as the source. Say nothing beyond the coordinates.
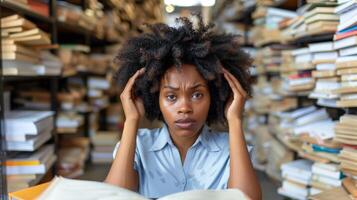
(297, 179)
(327, 80)
(104, 143)
(27, 168)
(97, 90)
(345, 41)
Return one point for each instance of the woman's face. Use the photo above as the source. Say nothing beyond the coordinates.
(184, 100)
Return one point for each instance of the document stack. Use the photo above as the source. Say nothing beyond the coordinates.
(327, 80)
(297, 179)
(104, 143)
(345, 41)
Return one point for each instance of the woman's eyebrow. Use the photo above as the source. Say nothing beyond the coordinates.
(193, 87)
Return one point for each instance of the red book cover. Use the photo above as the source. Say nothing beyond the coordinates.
(344, 35)
(39, 7)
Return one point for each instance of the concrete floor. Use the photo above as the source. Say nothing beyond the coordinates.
(98, 172)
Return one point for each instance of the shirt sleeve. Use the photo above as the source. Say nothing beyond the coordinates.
(136, 158)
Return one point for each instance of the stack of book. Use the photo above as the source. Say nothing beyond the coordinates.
(72, 155)
(327, 80)
(325, 176)
(300, 79)
(22, 42)
(316, 18)
(345, 41)
(73, 58)
(69, 122)
(96, 92)
(345, 129)
(266, 21)
(27, 168)
(297, 179)
(104, 143)
(27, 130)
(40, 99)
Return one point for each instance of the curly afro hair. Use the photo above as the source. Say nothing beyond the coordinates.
(163, 47)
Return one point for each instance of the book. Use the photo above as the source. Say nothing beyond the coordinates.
(350, 186)
(29, 159)
(58, 188)
(321, 47)
(346, 42)
(349, 51)
(20, 49)
(349, 5)
(19, 57)
(332, 194)
(31, 122)
(18, 22)
(30, 144)
(322, 17)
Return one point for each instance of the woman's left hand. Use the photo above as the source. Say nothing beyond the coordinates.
(235, 105)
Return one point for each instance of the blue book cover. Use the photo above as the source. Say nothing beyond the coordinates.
(349, 29)
(318, 148)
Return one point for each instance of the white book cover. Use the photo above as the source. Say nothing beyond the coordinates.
(332, 103)
(330, 55)
(287, 186)
(318, 115)
(29, 145)
(34, 169)
(325, 66)
(348, 15)
(327, 180)
(27, 122)
(40, 155)
(300, 51)
(346, 42)
(24, 137)
(326, 85)
(349, 51)
(321, 47)
(303, 58)
(349, 5)
(321, 129)
(301, 166)
(348, 23)
(296, 177)
(298, 112)
(346, 59)
(281, 12)
(325, 172)
(300, 81)
(322, 95)
(290, 194)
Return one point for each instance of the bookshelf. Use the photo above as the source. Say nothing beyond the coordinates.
(276, 61)
(66, 32)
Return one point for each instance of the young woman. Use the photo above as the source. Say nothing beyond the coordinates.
(189, 78)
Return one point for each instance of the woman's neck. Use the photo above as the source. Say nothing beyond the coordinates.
(184, 143)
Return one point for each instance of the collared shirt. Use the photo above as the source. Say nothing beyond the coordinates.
(159, 166)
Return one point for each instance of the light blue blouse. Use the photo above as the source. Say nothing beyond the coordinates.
(161, 172)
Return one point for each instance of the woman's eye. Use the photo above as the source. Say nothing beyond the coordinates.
(171, 97)
(197, 95)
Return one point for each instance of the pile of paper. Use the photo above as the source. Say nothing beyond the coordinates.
(104, 143)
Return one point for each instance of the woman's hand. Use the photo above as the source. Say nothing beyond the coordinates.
(133, 106)
(235, 105)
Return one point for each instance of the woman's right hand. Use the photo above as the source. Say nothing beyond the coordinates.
(133, 106)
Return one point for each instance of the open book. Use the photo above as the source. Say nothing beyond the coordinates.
(68, 189)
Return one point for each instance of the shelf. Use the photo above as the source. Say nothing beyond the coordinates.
(313, 38)
(27, 78)
(26, 12)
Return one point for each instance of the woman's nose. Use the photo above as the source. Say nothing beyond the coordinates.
(185, 106)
